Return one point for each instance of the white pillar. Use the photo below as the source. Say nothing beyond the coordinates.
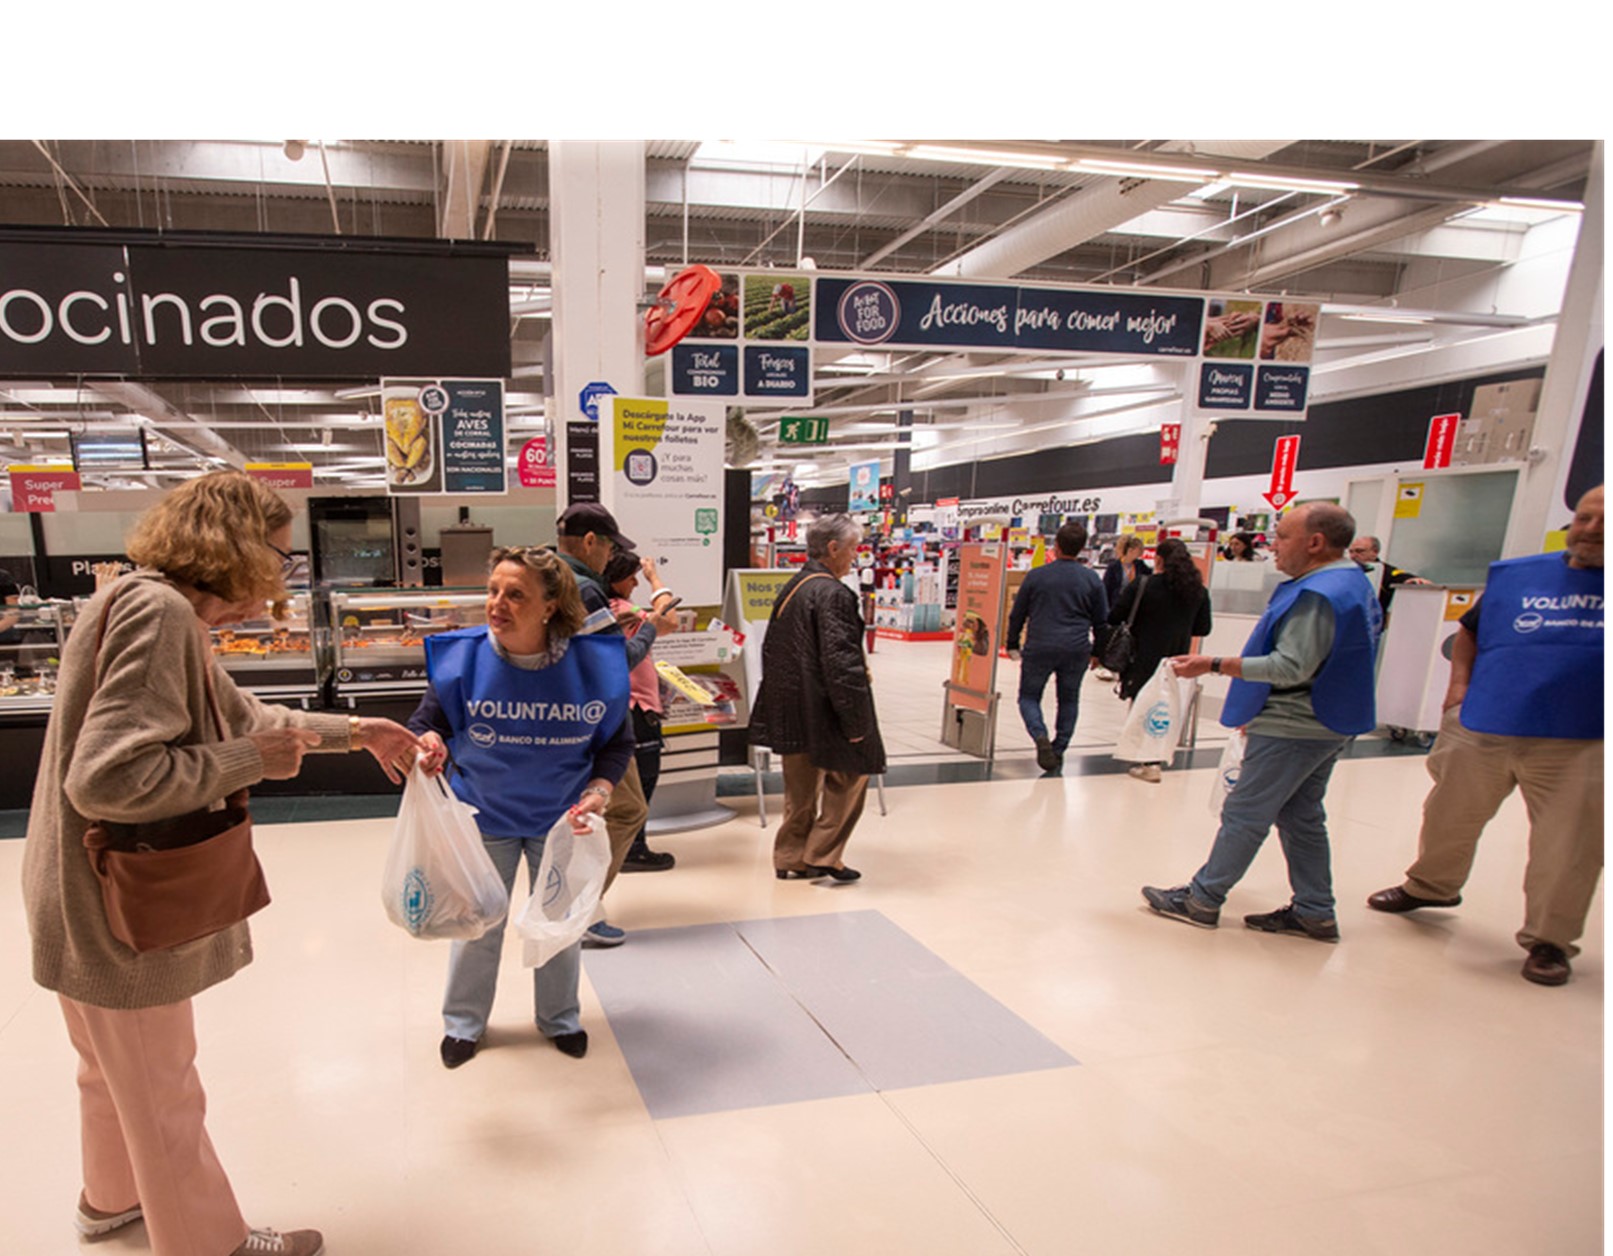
(596, 233)
(1187, 476)
(1539, 506)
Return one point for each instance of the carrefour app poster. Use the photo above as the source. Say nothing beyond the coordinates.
(665, 487)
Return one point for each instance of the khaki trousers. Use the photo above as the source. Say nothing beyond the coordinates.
(820, 810)
(142, 1127)
(625, 815)
(1561, 782)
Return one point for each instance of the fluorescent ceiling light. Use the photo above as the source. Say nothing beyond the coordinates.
(1386, 318)
(988, 157)
(33, 435)
(1529, 202)
(1210, 189)
(1140, 170)
(879, 148)
(1282, 183)
(754, 153)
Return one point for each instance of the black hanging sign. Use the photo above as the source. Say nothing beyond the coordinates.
(232, 309)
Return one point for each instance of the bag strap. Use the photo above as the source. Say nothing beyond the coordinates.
(1142, 583)
(207, 672)
(816, 575)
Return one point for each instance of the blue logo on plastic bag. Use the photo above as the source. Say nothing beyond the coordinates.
(1158, 719)
(417, 899)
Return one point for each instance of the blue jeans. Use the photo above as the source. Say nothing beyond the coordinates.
(473, 966)
(1068, 670)
(1282, 783)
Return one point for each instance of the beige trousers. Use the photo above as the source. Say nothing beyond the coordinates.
(820, 810)
(1561, 782)
(142, 1127)
(625, 814)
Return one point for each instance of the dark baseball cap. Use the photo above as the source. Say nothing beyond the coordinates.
(585, 517)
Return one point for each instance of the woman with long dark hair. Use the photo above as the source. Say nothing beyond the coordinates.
(1175, 608)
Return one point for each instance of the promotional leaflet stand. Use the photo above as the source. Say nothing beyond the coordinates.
(969, 694)
(1414, 660)
(702, 691)
(747, 607)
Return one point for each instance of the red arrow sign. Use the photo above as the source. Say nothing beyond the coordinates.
(1283, 459)
(1441, 440)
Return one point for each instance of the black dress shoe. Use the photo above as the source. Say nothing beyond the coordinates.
(648, 861)
(575, 1045)
(1047, 758)
(795, 874)
(839, 874)
(456, 1051)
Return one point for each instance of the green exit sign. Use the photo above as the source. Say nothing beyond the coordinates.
(803, 431)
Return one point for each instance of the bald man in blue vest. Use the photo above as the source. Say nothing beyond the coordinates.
(1523, 710)
(1302, 691)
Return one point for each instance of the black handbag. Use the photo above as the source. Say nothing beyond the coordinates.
(1121, 648)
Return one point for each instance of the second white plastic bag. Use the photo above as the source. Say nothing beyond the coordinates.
(440, 881)
(571, 877)
(1226, 775)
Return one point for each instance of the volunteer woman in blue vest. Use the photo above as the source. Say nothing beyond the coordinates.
(534, 720)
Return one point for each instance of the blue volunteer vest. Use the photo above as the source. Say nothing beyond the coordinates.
(1539, 668)
(524, 741)
(1341, 693)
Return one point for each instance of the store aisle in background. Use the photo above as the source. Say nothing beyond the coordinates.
(1168, 1088)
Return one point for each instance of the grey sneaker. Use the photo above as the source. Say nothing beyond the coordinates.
(1287, 920)
(273, 1243)
(91, 1222)
(1178, 903)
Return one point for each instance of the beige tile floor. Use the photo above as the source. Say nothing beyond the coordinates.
(1402, 1092)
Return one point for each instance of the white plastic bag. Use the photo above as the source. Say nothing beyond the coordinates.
(571, 877)
(1226, 775)
(1154, 725)
(439, 880)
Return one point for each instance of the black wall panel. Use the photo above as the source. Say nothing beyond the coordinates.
(1387, 427)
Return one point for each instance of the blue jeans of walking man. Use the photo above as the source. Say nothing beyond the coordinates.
(473, 966)
(1067, 669)
(1282, 782)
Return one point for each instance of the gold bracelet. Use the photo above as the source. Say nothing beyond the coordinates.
(355, 733)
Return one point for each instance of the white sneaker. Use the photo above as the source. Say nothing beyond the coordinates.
(273, 1243)
(1145, 772)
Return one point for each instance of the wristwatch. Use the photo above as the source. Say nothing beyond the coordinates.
(355, 733)
(1215, 666)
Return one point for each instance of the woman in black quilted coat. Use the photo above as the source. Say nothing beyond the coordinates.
(815, 707)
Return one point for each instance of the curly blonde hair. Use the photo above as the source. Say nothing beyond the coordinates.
(554, 577)
(212, 533)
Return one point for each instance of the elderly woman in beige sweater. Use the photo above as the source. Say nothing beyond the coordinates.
(131, 740)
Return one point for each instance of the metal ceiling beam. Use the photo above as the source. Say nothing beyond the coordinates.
(153, 405)
(1088, 213)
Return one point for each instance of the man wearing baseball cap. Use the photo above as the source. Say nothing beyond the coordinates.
(586, 538)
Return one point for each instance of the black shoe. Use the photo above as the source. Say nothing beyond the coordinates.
(456, 1051)
(575, 1045)
(647, 860)
(839, 874)
(1287, 920)
(1047, 758)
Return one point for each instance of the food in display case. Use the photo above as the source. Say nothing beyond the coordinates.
(30, 649)
(377, 637)
(270, 657)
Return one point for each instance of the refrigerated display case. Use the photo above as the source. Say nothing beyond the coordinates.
(30, 649)
(275, 659)
(376, 636)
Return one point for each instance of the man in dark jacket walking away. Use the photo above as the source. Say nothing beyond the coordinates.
(815, 707)
(1062, 601)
